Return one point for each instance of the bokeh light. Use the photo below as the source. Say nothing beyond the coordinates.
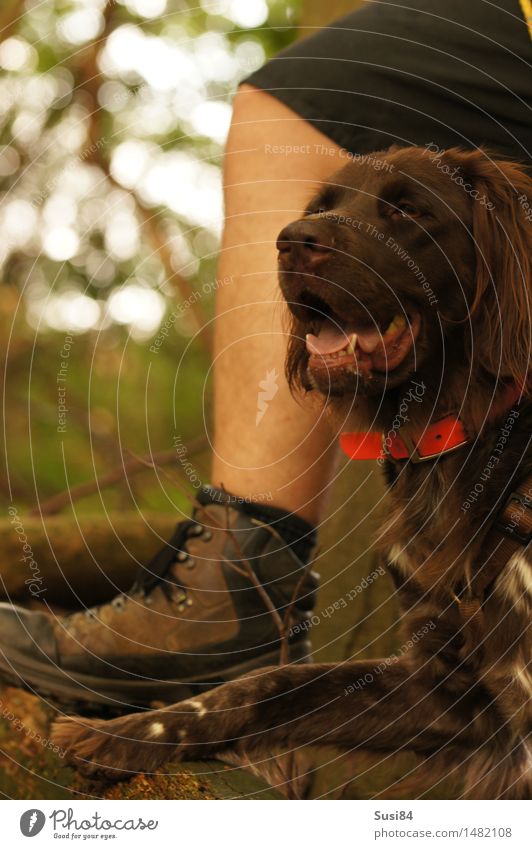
(113, 119)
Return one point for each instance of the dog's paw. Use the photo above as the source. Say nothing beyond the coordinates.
(113, 750)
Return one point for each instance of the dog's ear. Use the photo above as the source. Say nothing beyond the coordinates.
(502, 229)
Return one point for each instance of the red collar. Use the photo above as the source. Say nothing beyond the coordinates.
(439, 437)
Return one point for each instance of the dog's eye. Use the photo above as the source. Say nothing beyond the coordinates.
(403, 209)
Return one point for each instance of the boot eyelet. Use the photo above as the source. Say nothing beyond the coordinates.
(181, 556)
(207, 535)
(148, 599)
(181, 608)
(190, 563)
(197, 529)
(189, 602)
(118, 603)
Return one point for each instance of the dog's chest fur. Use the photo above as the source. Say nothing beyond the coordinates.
(434, 537)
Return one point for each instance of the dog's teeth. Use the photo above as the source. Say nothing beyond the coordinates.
(397, 323)
(351, 345)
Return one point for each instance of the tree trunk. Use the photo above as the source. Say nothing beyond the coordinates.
(77, 559)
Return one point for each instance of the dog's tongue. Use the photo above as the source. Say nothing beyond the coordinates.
(330, 340)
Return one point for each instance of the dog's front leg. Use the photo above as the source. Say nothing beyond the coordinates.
(370, 705)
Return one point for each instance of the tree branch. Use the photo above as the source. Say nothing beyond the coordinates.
(11, 18)
(56, 503)
(89, 75)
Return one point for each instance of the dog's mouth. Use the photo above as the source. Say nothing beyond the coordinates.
(338, 347)
(366, 350)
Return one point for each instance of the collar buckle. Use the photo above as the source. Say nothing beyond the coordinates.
(412, 448)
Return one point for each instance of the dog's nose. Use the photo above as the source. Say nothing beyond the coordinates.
(302, 245)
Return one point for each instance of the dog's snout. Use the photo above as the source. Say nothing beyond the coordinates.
(303, 244)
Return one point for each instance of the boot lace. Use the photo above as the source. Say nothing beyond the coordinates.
(157, 571)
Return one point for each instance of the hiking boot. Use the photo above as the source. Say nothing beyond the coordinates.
(194, 618)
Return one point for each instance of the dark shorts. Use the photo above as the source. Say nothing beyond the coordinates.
(450, 72)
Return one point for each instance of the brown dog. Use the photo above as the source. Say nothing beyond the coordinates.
(409, 269)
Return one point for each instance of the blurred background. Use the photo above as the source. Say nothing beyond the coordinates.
(113, 117)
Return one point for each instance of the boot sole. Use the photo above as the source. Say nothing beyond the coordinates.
(96, 693)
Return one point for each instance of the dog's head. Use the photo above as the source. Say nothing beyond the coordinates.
(410, 262)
